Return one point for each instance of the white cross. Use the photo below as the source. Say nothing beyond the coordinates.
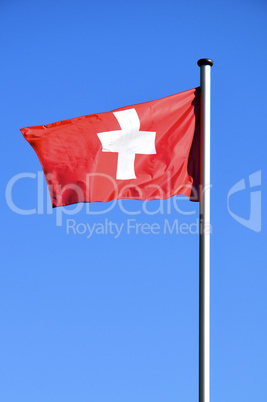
(127, 142)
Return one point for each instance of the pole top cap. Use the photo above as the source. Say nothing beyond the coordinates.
(205, 62)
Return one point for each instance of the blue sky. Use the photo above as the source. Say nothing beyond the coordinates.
(116, 319)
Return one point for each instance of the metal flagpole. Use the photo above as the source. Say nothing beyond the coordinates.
(204, 237)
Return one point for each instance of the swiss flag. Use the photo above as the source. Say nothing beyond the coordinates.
(147, 151)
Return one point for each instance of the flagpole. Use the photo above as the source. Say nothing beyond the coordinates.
(204, 237)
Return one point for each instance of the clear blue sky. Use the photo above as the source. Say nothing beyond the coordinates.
(101, 319)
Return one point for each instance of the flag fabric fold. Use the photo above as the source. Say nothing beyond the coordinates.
(147, 151)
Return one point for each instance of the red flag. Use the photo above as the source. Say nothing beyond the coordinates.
(147, 151)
